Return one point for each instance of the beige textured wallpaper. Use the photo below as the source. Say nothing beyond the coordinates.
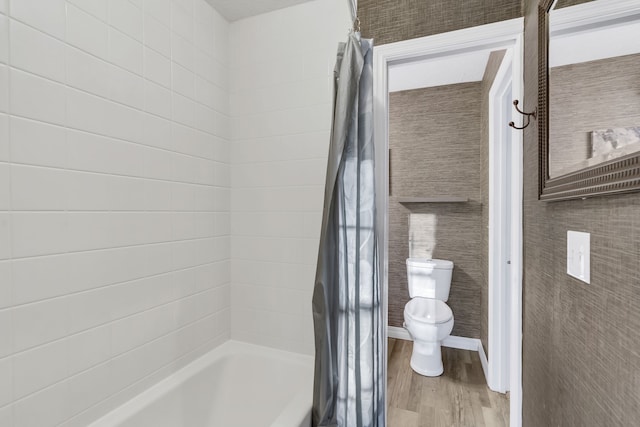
(393, 20)
(567, 3)
(436, 151)
(581, 356)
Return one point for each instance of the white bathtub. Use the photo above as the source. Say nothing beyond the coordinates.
(234, 385)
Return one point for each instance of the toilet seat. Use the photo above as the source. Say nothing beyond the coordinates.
(428, 311)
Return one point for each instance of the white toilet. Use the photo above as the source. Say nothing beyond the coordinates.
(427, 318)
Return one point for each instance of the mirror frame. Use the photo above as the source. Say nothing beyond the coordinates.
(617, 176)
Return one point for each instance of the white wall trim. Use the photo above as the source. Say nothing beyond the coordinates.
(500, 141)
(462, 343)
(398, 333)
(504, 369)
(483, 360)
(517, 247)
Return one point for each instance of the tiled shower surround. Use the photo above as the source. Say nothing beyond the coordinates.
(281, 93)
(114, 200)
(158, 166)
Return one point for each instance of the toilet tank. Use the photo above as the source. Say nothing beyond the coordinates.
(429, 278)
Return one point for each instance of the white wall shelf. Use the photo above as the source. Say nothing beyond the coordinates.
(433, 199)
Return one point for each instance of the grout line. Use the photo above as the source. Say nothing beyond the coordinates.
(226, 66)
(311, 132)
(111, 285)
(171, 101)
(57, 125)
(257, 139)
(10, 220)
(116, 320)
(294, 289)
(121, 211)
(171, 181)
(226, 114)
(267, 162)
(137, 211)
(285, 109)
(139, 245)
(111, 358)
(143, 111)
(275, 212)
(10, 206)
(245, 89)
(66, 118)
(272, 187)
(272, 262)
(285, 238)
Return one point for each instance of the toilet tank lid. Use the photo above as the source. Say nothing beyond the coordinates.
(430, 263)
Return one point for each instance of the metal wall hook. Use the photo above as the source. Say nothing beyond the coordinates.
(533, 114)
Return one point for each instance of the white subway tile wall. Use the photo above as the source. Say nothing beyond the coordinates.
(281, 92)
(114, 200)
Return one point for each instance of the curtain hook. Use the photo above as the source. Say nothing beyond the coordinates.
(356, 25)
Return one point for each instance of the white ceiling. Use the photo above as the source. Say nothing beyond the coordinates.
(234, 10)
(446, 70)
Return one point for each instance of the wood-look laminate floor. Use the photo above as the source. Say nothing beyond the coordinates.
(458, 398)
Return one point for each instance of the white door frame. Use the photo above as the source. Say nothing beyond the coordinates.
(501, 35)
(505, 232)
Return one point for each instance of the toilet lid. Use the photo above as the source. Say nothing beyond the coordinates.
(427, 310)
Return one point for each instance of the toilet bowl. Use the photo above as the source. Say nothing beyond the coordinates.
(429, 321)
(427, 317)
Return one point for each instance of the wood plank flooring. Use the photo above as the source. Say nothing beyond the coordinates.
(458, 398)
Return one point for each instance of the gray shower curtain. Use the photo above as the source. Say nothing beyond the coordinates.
(348, 387)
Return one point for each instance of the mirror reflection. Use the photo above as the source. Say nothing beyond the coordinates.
(594, 91)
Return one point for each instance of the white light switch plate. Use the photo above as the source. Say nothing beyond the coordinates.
(579, 255)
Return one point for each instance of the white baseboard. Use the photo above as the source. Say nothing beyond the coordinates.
(452, 341)
(398, 333)
(462, 343)
(484, 361)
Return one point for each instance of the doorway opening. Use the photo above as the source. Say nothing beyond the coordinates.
(503, 364)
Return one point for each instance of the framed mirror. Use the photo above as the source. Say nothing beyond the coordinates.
(589, 98)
